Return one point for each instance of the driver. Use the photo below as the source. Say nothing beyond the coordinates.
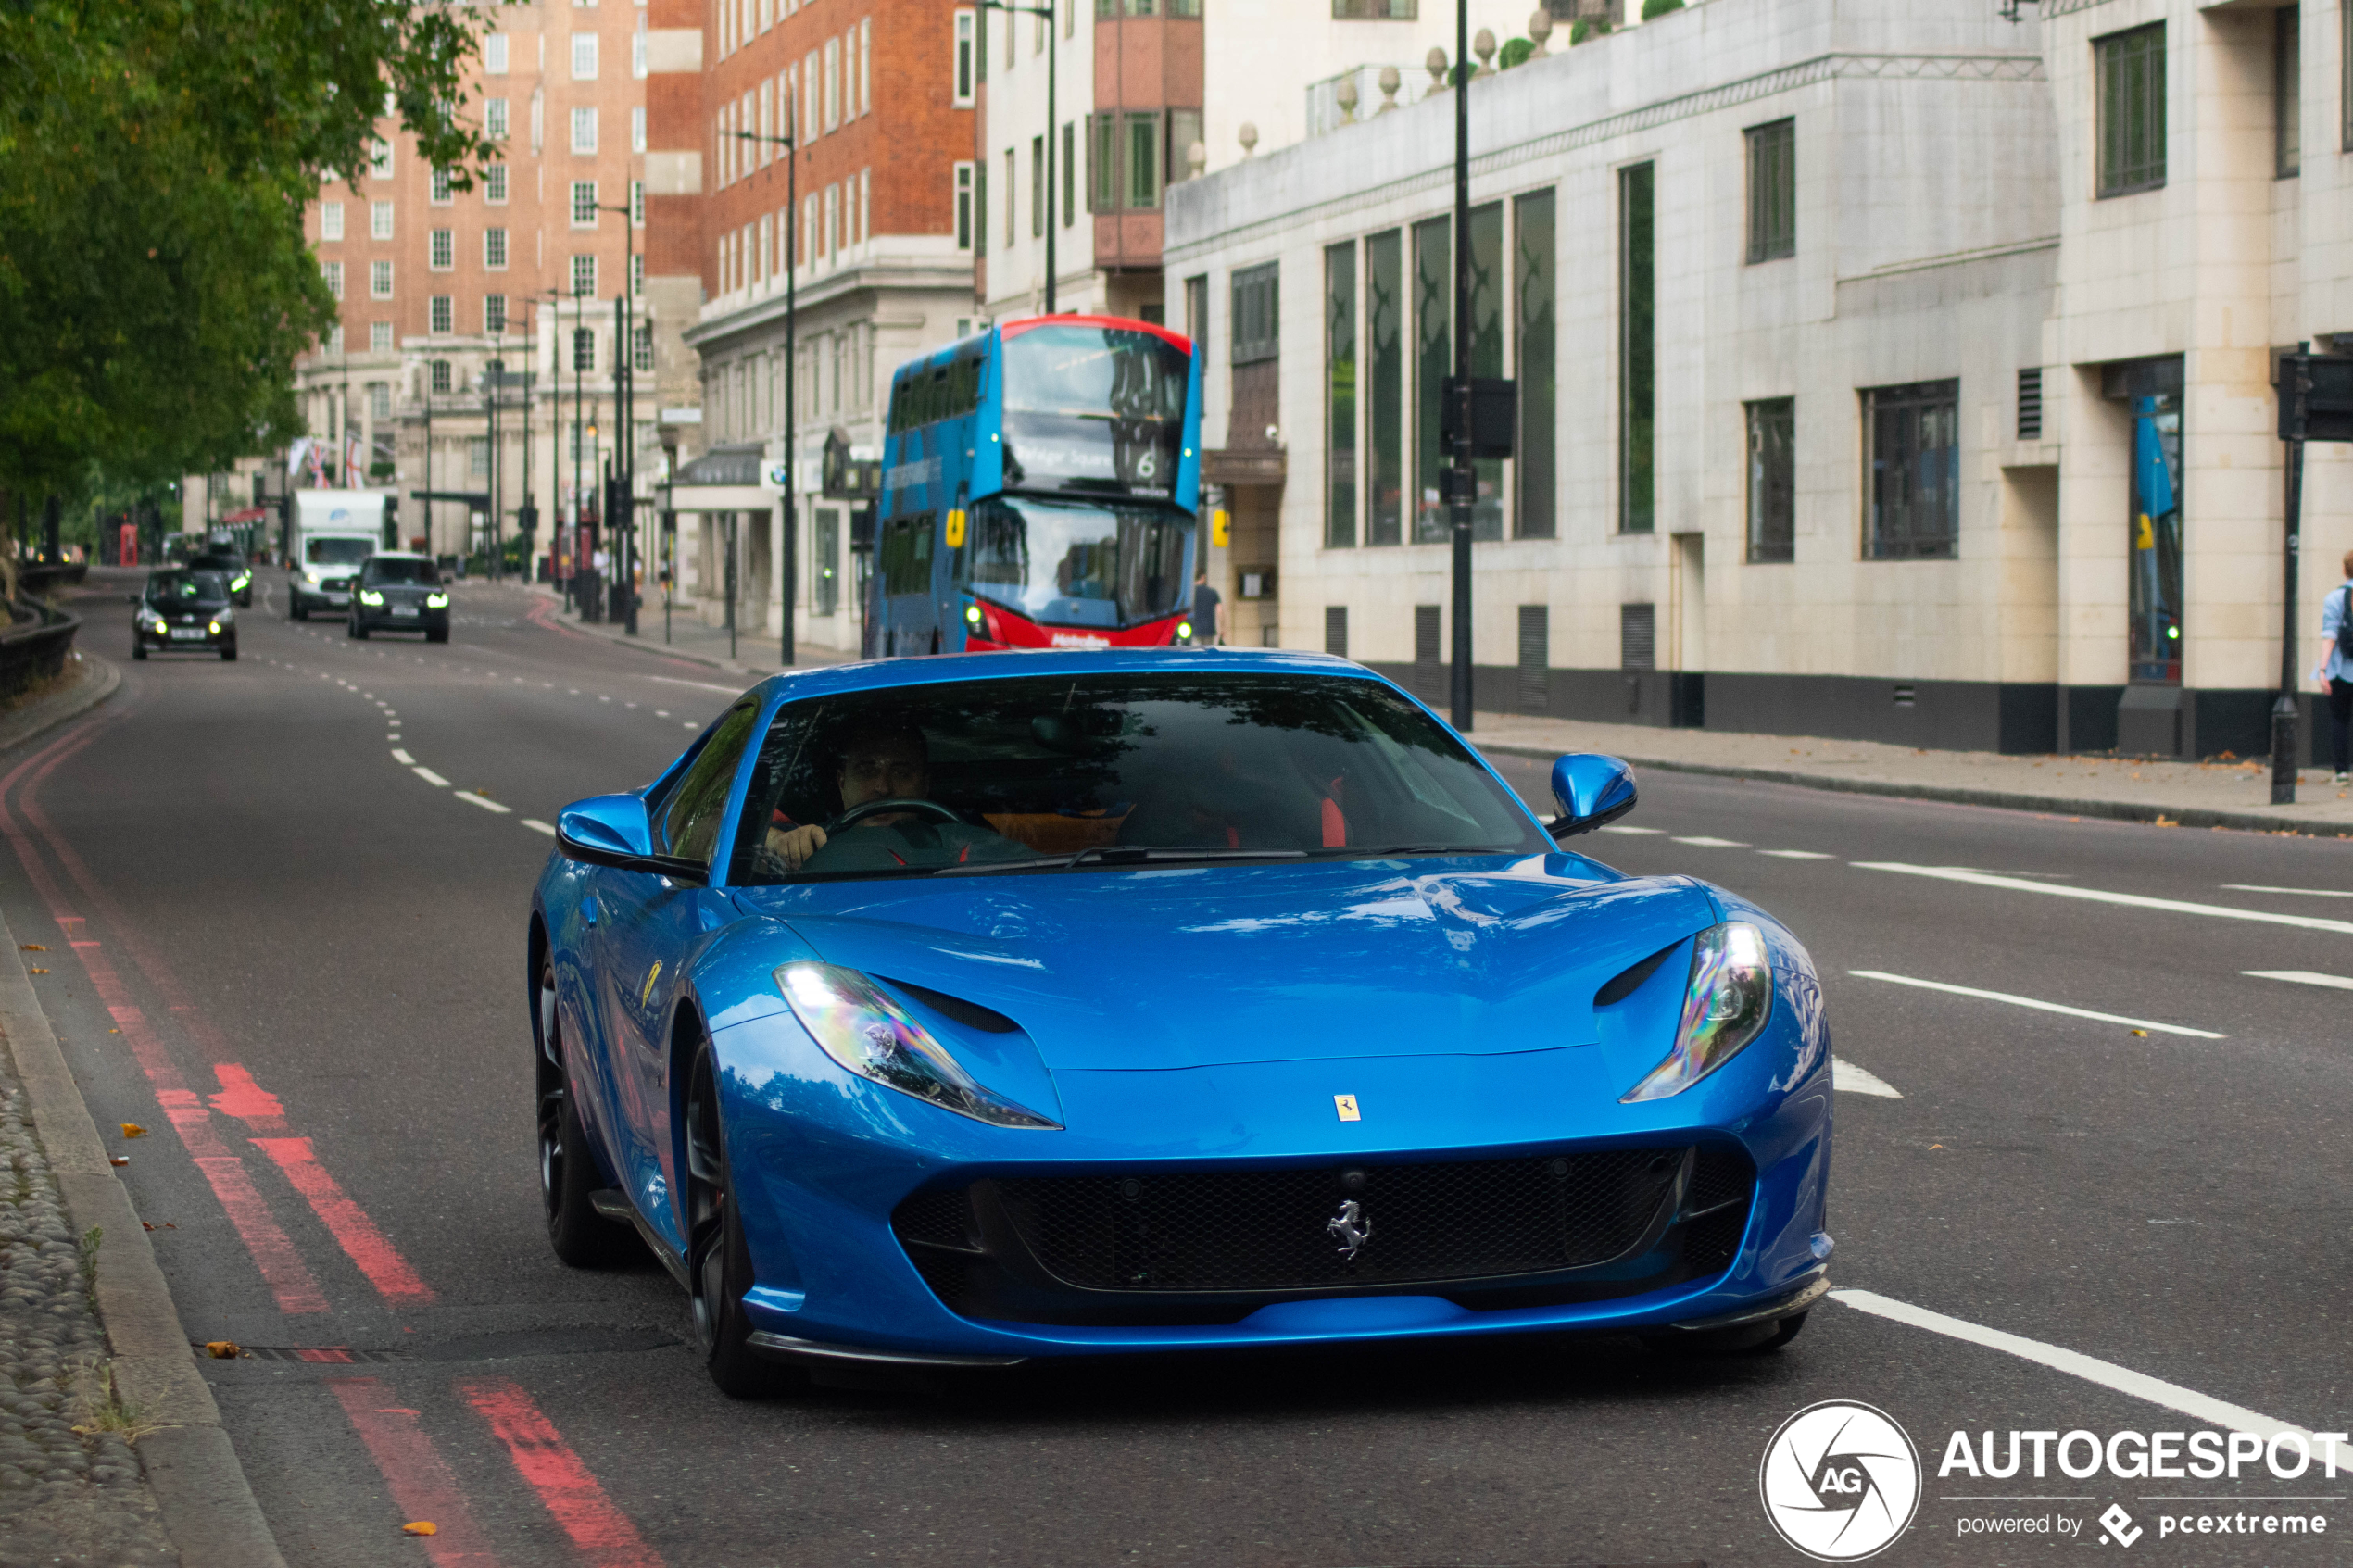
(888, 761)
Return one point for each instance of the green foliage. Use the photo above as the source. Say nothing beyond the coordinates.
(1586, 27)
(1516, 50)
(1659, 7)
(156, 158)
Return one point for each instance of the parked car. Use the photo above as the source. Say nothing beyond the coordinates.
(233, 569)
(184, 610)
(395, 591)
(956, 1011)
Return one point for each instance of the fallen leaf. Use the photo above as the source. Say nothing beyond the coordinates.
(223, 1349)
(118, 1160)
(39, 972)
(30, 948)
(421, 1528)
(2141, 1033)
(1936, 1146)
(133, 1130)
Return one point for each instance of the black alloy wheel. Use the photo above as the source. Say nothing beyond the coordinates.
(718, 1260)
(567, 1170)
(295, 609)
(229, 652)
(138, 645)
(438, 635)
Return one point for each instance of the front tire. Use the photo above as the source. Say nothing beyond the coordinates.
(228, 653)
(138, 647)
(566, 1169)
(295, 609)
(718, 1260)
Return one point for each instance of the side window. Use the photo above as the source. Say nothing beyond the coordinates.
(691, 819)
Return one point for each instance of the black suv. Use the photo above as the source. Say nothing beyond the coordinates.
(184, 610)
(395, 591)
(232, 567)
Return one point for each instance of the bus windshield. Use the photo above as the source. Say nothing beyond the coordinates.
(1096, 409)
(1065, 564)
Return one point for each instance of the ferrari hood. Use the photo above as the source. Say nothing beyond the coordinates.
(1200, 966)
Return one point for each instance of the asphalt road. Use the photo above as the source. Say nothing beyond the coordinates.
(280, 904)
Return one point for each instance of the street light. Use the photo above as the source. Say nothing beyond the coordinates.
(791, 551)
(1053, 35)
(1461, 477)
(622, 493)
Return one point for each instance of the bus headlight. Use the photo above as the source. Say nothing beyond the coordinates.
(1184, 631)
(972, 615)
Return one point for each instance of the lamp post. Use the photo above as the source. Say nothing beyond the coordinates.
(792, 385)
(623, 489)
(1053, 35)
(1461, 476)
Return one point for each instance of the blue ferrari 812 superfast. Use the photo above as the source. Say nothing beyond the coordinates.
(969, 1010)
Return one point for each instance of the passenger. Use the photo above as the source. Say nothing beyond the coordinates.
(888, 761)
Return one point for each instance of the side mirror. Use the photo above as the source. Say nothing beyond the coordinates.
(1591, 790)
(613, 830)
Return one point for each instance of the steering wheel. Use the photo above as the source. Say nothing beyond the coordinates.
(907, 803)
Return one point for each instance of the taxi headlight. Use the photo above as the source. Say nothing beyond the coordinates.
(1727, 1005)
(436, 601)
(239, 585)
(161, 625)
(868, 1034)
(214, 628)
(369, 596)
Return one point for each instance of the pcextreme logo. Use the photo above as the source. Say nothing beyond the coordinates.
(1840, 1481)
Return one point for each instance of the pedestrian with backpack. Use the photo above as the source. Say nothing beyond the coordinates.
(2334, 675)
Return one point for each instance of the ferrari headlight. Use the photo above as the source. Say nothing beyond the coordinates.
(369, 596)
(867, 1032)
(1729, 998)
(436, 601)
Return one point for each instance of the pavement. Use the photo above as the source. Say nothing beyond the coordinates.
(682, 635)
(2093, 1087)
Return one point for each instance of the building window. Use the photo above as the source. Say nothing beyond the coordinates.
(825, 562)
(1336, 631)
(380, 279)
(380, 161)
(1038, 186)
(1534, 264)
(1535, 659)
(963, 206)
(441, 315)
(1339, 396)
(1772, 479)
(493, 185)
(2287, 92)
(379, 221)
(640, 51)
(637, 272)
(1184, 130)
(584, 57)
(1385, 410)
(584, 203)
(493, 53)
(638, 129)
(494, 249)
(1143, 170)
(1010, 230)
(1772, 190)
(1487, 355)
(962, 74)
(865, 95)
(440, 194)
(493, 313)
(1916, 470)
(334, 338)
(833, 83)
(1637, 637)
(1433, 362)
(641, 345)
(2030, 404)
(584, 276)
(478, 456)
(1637, 345)
(1069, 172)
(637, 204)
(980, 210)
(584, 350)
(330, 221)
(1374, 10)
(2130, 70)
(380, 337)
(437, 377)
(583, 131)
(1257, 318)
(494, 119)
(379, 400)
(1197, 308)
(441, 249)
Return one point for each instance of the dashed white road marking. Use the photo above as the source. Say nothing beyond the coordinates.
(484, 801)
(394, 735)
(661, 713)
(2299, 892)
(1850, 1078)
(535, 825)
(690, 723)
(2131, 900)
(705, 685)
(1647, 833)
(2149, 1024)
(2107, 1375)
(1797, 854)
(2302, 977)
(403, 757)
(1707, 843)
(431, 777)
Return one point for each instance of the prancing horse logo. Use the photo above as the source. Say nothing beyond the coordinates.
(1350, 1228)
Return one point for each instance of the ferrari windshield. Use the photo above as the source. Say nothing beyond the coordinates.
(1057, 773)
(1066, 563)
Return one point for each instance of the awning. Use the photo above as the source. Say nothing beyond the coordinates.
(249, 514)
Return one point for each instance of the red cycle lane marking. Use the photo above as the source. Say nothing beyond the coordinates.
(273, 1254)
(421, 1486)
(563, 1483)
(357, 1234)
(248, 1102)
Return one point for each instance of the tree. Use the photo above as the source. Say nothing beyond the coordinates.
(156, 160)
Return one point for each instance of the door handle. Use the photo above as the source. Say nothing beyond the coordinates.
(588, 908)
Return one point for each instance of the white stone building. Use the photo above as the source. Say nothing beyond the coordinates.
(1838, 329)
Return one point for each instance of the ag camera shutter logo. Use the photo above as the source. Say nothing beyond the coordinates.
(1840, 1481)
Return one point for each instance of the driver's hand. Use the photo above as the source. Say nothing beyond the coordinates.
(796, 845)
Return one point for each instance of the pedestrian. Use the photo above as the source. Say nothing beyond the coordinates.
(2334, 675)
(1209, 611)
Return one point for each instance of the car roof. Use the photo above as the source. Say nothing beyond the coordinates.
(399, 555)
(887, 675)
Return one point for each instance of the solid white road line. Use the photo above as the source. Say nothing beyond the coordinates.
(2302, 977)
(1797, 854)
(2299, 892)
(403, 757)
(2152, 1027)
(484, 801)
(1714, 843)
(535, 825)
(706, 685)
(2107, 1375)
(431, 777)
(2131, 901)
(1847, 1076)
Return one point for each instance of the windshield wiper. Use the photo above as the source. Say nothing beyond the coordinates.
(1387, 851)
(1116, 854)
